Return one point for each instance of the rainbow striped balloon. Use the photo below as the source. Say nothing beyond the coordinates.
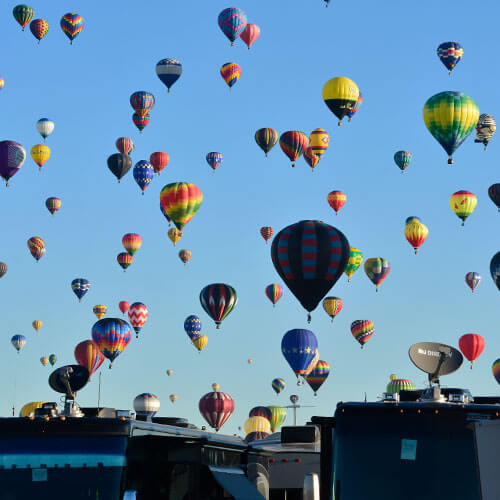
(231, 73)
(318, 375)
(181, 201)
(362, 330)
(496, 370)
(278, 384)
(72, 25)
(274, 293)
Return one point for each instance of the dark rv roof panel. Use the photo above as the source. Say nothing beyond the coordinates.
(235, 483)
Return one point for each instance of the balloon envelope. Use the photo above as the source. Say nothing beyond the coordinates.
(111, 335)
(218, 300)
(216, 408)
(299, 347)
(169, 71)
(88, 354)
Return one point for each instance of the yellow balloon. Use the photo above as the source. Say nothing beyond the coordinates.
(100, 310)
(37, 324)
(416, 233)
(319, 140)
(463, 203)
(215, 386)
(257, 424)
(200, 342)
(340, 95)
(174, 234)
(29, 408)
(173, 397)
(393, 376)
(40, 154)
(332, 306)
(44, 360)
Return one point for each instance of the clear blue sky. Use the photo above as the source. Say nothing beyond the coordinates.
(389, 49)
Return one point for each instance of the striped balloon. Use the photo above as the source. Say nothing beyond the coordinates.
(125, 260)
(143, 174)
(311, 159)
(266, 232)
(293, 143)
(260, 411)
(416, 233)
(231, 73)
(159, 160)
(485, 129)
(214, 159)
(141, 122)
(131, 242)
(377, 269)
(169, 71)
(402, 159)
(278, 384)
(137, 314)
(53, 204)
(125, 145)
(39, 28)
(72, 25)
(274, 293)
(266, 139)
(88, 354)
(473, 279)
(23, 14)
(12, 156)
(495, 368)
(216, 408)
(142, 102)
(463, 203)
(111, 335)
(319, 140)
(336, 199)
(362, 330)
(258, 423)
(399, 384)
(99, 310)
(318, 375)
(232, 22)
(80, 287)
(181, 201)
(278, 416)
(36, 247)
(218, 300)
(255, 436)
(45, 127)
(185, 255)
(332, 306)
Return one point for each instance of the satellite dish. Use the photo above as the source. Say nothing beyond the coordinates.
(435, 359)
(69, 379)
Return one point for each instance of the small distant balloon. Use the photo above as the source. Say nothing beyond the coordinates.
(23, 14)
(250, 34)
(159, 160)
(274, 293)
(473, 279)
(336, 199)
(402, 159)
(332, 306)
(278, 384)
(80, 287)
(37, 324)
(362, 330)
(132, 242)
(141, 122)
(232, 22)
(143, 174)
(125, 145)
(266, 232)
(416, 233)
(72, 25)
(463, 204)
(99, 310)
(266, 139)
(18, 341)
(124, 306)
(185, 255)
(39, 28)
(168, 71)
(231, 73)
(214, 160)
(36, 247)
(53, 204)
(44, 360)
(45, 127)
(3, 269)
(174, 235)
(52, 359)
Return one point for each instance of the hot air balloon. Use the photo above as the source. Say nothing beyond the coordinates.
(141, 122)
(99, 310)
(274, 293)
(125, 145)
(159, 160)
(319, 140)
(266, 232)
(495, 269)
(473, 279)
(255, 436)
(377, 269)
(44, 360)
(72, 25)
(232, 22)
(218, 300)
(52, 359)
(332, 306)
(36, 247)
(266, 139)
(119, 164)
(174, 235)
(165, 214)
(138, 314)
(318, 375)
(40, 154)
(131, 242)
(88, 354)
(293, 143)
(311, 159)
(463, 203)
(355, 260)
(143, 174)
(249, 361)
(53, 204)
(3, 269)
(396, 385)
(200, 342)
(2, 83)
(231, 73)
(300, 348)
(450, 54)
(355, 108)
(485, 129)
(23, 14)
(12, 156)
(169, 372)
(80, 287)
(169, 71)
(18, 341)
(340, 95)
(142, 102)
(45, 127)
(185, 255)
(336, 199)
(258, 423)
(278, 416)
(416, 233)
(310, 256)
(450, 118)
(39, 28)
(124, 306)
(173, 398)
(402, 159)
(278, 384)
(362, 330)
(471, 345)
(146, 405)
(250, 34)
(215, 386)
(181, 201)
(494, 194)
(216, 408)
(411, 218)
(111, 335)
(37, 324)
(496, 370)
(214, 160)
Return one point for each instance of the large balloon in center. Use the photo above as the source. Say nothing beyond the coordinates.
(181, 201)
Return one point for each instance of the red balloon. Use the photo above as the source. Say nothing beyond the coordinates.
(124, 305)
(88, 354)
(159, 160)
(216, 408)
(250, 34)
(471, 345)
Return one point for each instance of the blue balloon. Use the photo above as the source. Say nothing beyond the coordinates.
(214, 159)
(80, 287)
(169, 71)
(300, 349)
(192, 325)
(18, 341)
(143, 174)
(495, 269)
(111, 335)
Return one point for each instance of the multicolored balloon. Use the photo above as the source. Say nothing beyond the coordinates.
(494, 194)
(72, 25)
(319, 140)
(257, 423)
(214, 159)
(88, 354)
(293, 143)
(332, 306)
(142, 102)
(274, 293)
(450, 118)
(473, 279)
(169, 372)
(336, 199)
(416, 233)
(278, 417)
(44, 360)
(80, 287)
(200, 342)
(266, 139)
(355, 260)
(218, 300)
(181, 201)
(232, 22)
(216, 408)
(124, 259)
(124, 306)
(132, 242)
(146, 405)
(119, 164)
(485, 129)
(173, 398)
(23, 14)
(450, 54)
(125, 145)
(278, 384)
(311, 159)
(471, 345)
(45, 127)
(12, 156)
(36, 247)
(340, 95)
(52, 359)
(260, 411)
(463, 204)
(355, 108)
(362, 330)
(169, 71)
(377, 269)
(495, 368)
(159, 160)
(3, 269)
(137, 314)
(185, 255)
(250, 34)
(39, 28)
(266, 232)
(396, 385)
(318, 376)
(111, 335)
(143, 174)
(231, 73)
(402, 159)
(174, 235)
(165, 214)
(53, 204)
(141, 122)
(18, 341)
(300, 349)
(37, 324)
(99, 310)
(310, 256)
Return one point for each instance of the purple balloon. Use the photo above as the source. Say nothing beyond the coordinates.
(12, 156)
